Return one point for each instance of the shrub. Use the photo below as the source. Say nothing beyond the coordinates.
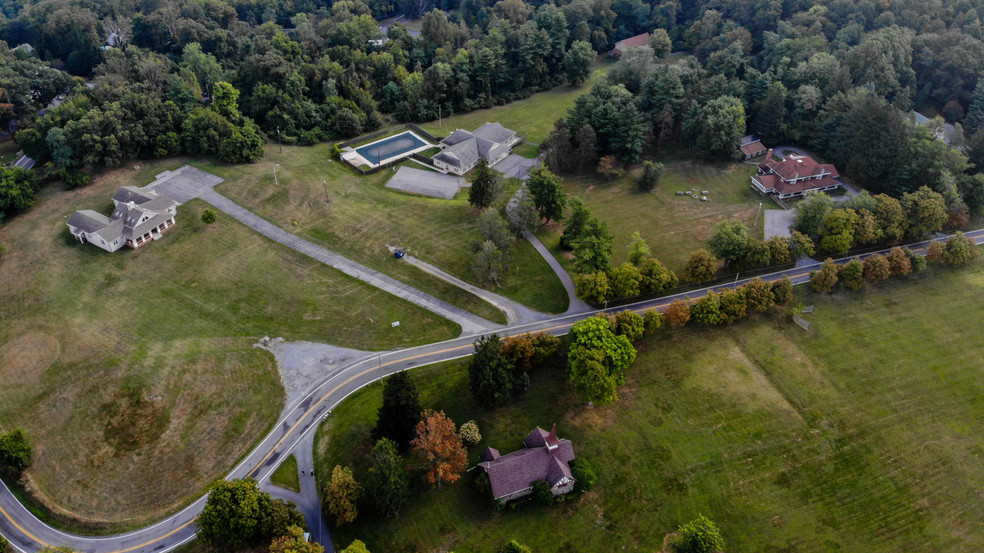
(677, 313)
(876, 268)
(470, 435)
(852, 274)
(757, 294)
(584, 474)
(733, 306)
(651, 321)
(541, 492)
(898, 262)
(73, 178)
(824, 280)
(209, 217)
(916, 261)
(514, 546)
(699, 536)
(782, 291)
(630, 325)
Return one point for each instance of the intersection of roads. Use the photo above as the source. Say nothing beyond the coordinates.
(29, 534)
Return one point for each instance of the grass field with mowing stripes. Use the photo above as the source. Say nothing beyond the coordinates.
(863, 434)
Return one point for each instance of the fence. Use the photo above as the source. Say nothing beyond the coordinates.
(409, 126)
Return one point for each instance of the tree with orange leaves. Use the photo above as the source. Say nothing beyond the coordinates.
(438, 443)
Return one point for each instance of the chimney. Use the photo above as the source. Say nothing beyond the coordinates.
(768, 155)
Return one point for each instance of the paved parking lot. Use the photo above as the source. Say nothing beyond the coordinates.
(777, 222)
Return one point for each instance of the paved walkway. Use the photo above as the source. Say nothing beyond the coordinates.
(307, 501)
(516, 313)
(470, 324)
(575, 304)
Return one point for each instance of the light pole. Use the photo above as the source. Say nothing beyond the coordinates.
(278, 140)
(757, 214)
(276, 181)
(324, 182)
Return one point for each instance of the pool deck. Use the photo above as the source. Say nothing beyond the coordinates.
(356, 159)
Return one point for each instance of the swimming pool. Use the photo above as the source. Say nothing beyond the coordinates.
(394, 146)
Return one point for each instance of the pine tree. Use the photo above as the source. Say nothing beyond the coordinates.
(400, 411)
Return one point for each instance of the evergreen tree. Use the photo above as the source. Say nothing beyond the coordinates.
(387, 487)
(398, 415)
(486, 186)
(491, 374)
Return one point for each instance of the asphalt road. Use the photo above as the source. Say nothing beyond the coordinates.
(29, 534)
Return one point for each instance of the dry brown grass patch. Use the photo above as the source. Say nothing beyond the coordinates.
(24, 358)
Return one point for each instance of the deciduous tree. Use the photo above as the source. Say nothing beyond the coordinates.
(824, 279)
(782, 291)
(700, 267)
(629, 324)
(547, 192)
(925, 211)
(294, 542)
(656, 277)
(438, 443)
(594, 287)
(625, 280)
(677, 314)
(638, 249)
(707, 310)
(652, 172)
(852, 274)
(341, 495)
(16, 454)
(356, 546)
(898, 262)
(876, 268)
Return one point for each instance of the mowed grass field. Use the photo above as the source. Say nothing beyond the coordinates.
(673, 226)
(134, 373)
(364, 219)
(531, 117)
(863, 434)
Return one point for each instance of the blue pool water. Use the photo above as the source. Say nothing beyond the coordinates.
(390, 147)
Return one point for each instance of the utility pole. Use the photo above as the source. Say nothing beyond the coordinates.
(439, 122)
(276, 181)
(278, 140)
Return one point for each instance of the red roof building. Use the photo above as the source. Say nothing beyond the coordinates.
(752, 149)
(794, 176)
(545, 457)
(623, 45)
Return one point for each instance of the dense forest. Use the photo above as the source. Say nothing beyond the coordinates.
(214, 77)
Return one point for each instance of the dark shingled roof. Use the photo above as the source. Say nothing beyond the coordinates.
(87, 220)
(545, 458)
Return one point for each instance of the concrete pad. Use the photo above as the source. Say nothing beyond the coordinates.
(515, 165)
(184, 184)
(427, 183)
(778, 221)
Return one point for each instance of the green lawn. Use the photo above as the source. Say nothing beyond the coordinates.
(863, 434)
(134, 373)
(365, 219)
(674, 226)
(286, 475)
(532, 117)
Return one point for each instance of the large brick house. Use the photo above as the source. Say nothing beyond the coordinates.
(545, 457)
(794, 176)
(139, 215)
(461, 150)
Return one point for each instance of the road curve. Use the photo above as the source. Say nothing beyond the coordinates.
(28, 534)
